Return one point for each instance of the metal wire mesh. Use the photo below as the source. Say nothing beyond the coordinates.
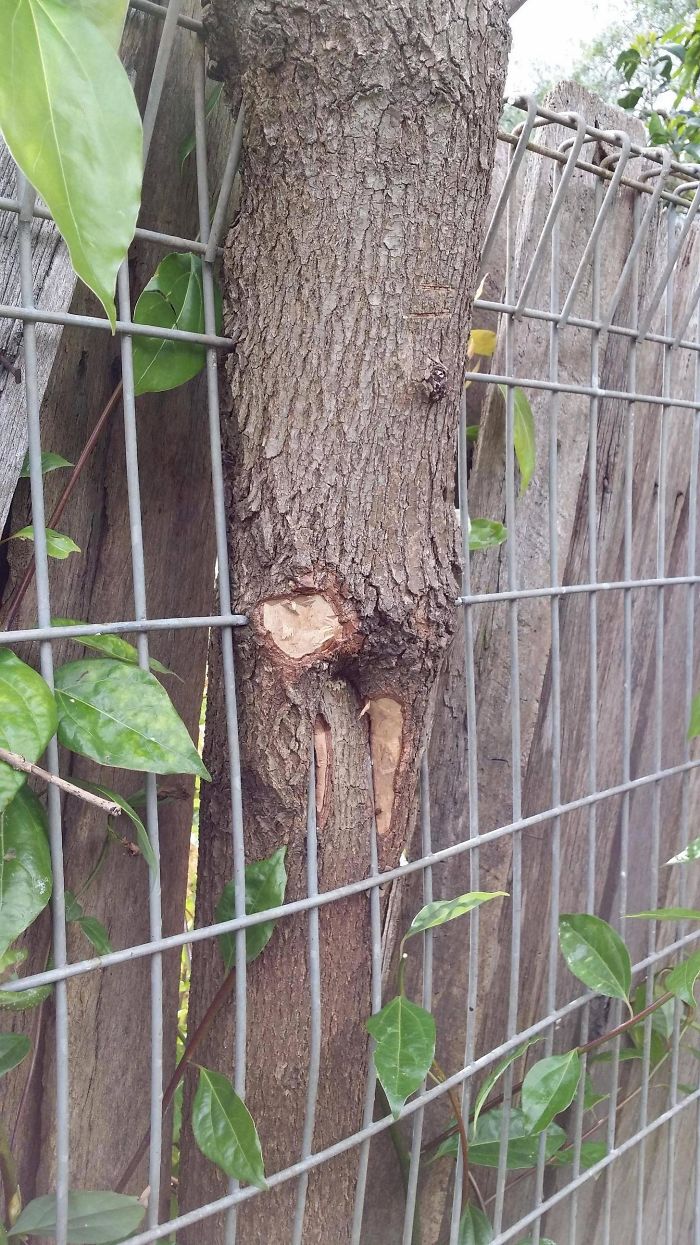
(657, 184)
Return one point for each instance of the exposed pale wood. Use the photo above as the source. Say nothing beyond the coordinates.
(109, 1012)
(371, 128)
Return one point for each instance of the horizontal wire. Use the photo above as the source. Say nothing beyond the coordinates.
(28, 634)
(567, 590)
(587, 391)
(31, 315)
(580, 322)
(160, 11)
(205, 932)
(145, 235)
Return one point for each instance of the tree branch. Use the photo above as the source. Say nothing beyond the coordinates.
(26, 767)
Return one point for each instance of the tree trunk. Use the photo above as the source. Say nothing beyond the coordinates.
(350, 274)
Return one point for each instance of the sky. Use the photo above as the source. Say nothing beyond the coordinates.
(550, 32)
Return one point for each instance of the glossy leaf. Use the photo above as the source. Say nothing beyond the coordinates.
(14, 1047)
(474, 1227)
(596, 954)
(626, 1055)
(592, 1152)
(58, 545)
(93, 929)
(689, 853)
(93, 1218)
(549, 1088)
(23, 1000)
(25, 866)
(667, 914)
(49, 462)
(481, 342)
(27, 719)
(524, 442)
(485, 533)
(70, 120)
(495, 1075)
(142, 839)
(405, 1046)
(591, 1097)
(444, 910)
(188, 143)
(523, 1147)
(119, 715)
(681, 980)
(173, 299)
(694, 724)
(110, 646)
(265, 886)
(107, 15)
(224, 1129)
(472, 433)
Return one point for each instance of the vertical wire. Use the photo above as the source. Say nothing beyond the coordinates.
(668, 359)
(26, 196)
(592, 687)
(512, 570)
(418, 1117)
(555, 662)
(141, 614)
(473, 786)
(314, 999)
(376, 998)
(689, 674)
(228, 667)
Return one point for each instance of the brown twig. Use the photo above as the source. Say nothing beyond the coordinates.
(439, 1076)
(26, 767)
(195, 1041)
(20, 592)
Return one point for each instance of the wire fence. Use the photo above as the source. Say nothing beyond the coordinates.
(652, 322)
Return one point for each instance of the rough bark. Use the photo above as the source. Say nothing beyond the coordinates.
(109, 1021)
(350, 272)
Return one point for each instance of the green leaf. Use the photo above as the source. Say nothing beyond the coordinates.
(444, 910)
(188, 143)
(405, 1045)
(681, 980)
(523, 435)
(485, 533)
(14, 1047)
(495, 1075)
(472, 433)
(523, 1147)
(173, 299)
(70, 120)
(57, 545)
(119, 715)
(549, 1088)
(49, 462)
(265, 885)
(142, 838)
(74, 910)
(631, 98)
(25, 866)
(23, 1000)
(96, 934)
(592, 1152)
(626, 1055)
(691, 852)
(596, 954)
(110, 646)
(224, 1129)
(27, 719)
(591, 1097)
(93, 1218)
(694, 724)
(474, 1227)
(666, 914)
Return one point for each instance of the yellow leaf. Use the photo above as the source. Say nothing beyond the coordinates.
(481, 342)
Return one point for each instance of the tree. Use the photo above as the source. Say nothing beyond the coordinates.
(371, 129)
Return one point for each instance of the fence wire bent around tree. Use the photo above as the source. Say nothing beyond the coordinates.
(559, 771)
